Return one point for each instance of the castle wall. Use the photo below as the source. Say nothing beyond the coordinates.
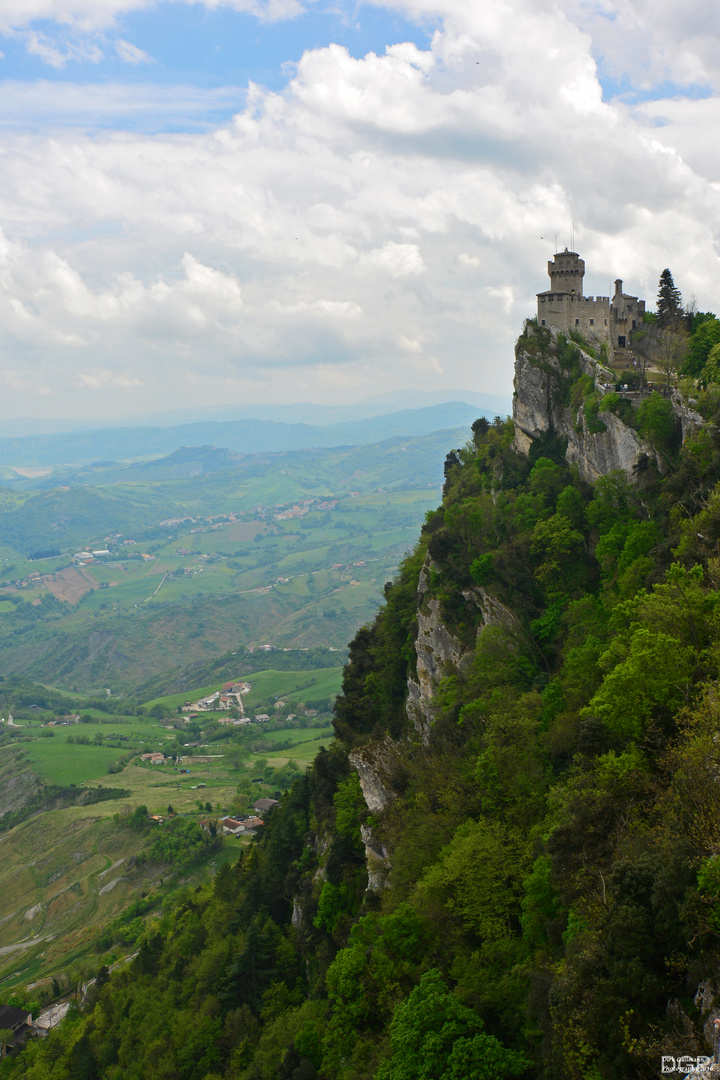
(589, 315)
(598, 319)
(627, 314)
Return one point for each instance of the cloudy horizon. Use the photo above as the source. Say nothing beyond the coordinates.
(280, 200)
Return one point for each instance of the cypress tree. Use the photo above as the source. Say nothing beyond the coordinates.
(669, 301)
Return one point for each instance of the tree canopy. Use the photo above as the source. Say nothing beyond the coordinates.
(669, 301)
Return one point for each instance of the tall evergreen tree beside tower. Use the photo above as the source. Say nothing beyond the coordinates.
(669, 301)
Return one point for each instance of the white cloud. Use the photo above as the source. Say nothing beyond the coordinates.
(50, 106)
(652, 42)
(100, 379)
(397, 260)
(92, 15)
(53, 54)
(130, 53)
(380, 221)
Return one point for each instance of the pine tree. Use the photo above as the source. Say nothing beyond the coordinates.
(669, 301)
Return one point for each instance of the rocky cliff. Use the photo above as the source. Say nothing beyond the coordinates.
(546, 375)
(559, 390)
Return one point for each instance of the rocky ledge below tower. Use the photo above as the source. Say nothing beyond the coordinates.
(559, 391)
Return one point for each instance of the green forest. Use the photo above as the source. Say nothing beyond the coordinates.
(535, 892)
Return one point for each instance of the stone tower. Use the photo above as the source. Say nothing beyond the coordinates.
(567, 271)
(595, 317)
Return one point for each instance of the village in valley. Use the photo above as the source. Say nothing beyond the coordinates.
(191, 779)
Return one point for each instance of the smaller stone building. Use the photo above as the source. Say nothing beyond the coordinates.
(597, 318)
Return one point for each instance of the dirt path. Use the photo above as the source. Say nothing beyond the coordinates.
(22, 945)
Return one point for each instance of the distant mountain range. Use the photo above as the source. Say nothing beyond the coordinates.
(246, 435)
(304, 412)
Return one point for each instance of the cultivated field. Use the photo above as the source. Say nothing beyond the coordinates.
(65, 874)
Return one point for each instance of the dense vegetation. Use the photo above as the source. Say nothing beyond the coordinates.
(554, 896)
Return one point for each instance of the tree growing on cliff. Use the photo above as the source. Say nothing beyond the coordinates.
(669, 301)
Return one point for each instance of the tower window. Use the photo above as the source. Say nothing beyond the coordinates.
(543, 322)
(592, 322)
(577, 322)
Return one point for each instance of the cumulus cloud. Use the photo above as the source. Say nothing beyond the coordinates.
(650, 43)
(396, 260)
(382, 220)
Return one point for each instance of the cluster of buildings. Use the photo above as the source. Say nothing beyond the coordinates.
(597, 318)
(259, 718)
(85, 557)
(229, 696)
(21, 1024)
(304, 506)
(154, 759)
(66, 721)
(242, 825)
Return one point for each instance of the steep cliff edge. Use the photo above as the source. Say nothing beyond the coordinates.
(506, 863)
(559, 389)
(559, 392)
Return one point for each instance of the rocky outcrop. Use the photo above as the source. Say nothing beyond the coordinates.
(438, 652)
(707, 1003)
(538, 408)
(297, 914)
(492, 612)
(598, 453)
(375, 764)
(377, 859)
(690, 420)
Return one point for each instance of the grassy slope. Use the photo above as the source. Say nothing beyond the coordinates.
(54, 866)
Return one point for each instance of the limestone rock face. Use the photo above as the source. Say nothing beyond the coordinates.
(533, 410)
(438, 652)
(598, 453)
(297, 914)
(537, 409)
(708, 1005)
(374, 764)
(690, 420)
(493, 612)
(377, 858)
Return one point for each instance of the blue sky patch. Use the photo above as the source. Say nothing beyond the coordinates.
(179, 44)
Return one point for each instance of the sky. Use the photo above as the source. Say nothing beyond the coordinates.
(216, 202)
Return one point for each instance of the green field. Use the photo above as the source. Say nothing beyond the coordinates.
(317, 684)
(110, 625)
(303, 753)
(267, 686)
(58, 761)
(55, 867)
(299, 735)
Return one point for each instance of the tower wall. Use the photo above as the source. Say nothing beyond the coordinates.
(567, 271)
(589, 315)
(596, 318)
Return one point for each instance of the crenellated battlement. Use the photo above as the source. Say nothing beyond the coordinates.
(597, 318)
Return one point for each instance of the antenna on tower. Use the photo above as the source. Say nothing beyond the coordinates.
(572, 242)
(556, 247)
